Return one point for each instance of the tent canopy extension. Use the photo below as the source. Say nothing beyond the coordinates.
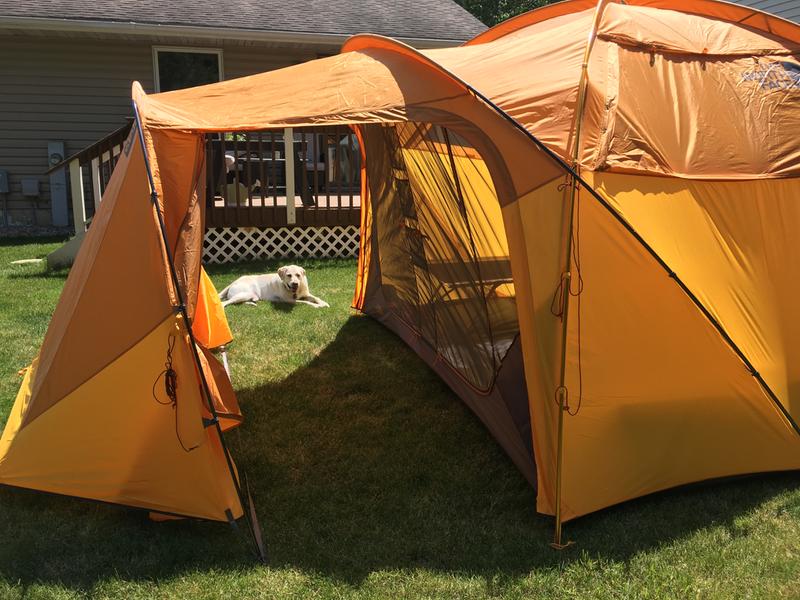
(599, 261)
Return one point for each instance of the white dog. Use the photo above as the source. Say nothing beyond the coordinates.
(289, 284)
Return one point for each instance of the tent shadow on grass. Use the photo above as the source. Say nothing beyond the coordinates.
(361, 460)
(367, 461)
(26, 240)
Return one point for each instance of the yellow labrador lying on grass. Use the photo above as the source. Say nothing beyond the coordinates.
(289, 284)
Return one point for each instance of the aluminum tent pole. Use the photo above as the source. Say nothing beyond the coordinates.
(562, 395)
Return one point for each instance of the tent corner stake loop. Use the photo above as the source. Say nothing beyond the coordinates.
(562, 397)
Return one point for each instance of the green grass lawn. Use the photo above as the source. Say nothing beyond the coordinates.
(372, 480)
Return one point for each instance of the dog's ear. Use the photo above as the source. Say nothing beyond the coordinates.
(302, 271)
(282, 272)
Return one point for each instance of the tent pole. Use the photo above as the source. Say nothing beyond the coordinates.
(181, 307)
(566, 278)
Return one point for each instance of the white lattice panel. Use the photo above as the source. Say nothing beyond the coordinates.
(234, 244)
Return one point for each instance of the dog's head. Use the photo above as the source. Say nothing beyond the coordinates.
(293, 277)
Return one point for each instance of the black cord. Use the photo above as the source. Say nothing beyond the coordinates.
(576, 252)
(557, 304)
(171, 389)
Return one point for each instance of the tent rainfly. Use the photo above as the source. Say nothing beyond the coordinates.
(584, 220)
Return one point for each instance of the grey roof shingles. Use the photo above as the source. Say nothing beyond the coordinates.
(422, 19)
(787, 9)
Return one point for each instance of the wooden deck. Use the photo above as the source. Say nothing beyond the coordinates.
(248, 177)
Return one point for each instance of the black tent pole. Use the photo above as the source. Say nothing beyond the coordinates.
(181, 307)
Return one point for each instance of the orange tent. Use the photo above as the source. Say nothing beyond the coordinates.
(583, 220)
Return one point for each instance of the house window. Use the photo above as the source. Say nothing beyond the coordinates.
(178, 68)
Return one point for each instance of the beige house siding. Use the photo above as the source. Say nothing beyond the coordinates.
(77, 91)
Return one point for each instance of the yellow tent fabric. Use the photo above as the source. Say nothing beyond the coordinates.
(620, 238)
(137, 450)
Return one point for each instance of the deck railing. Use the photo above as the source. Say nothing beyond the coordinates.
(89, 172)
(307, 177)
(303, 177)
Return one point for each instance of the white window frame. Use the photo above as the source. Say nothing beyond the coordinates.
(186, 49)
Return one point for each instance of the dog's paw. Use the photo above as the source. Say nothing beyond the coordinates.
(323, 304)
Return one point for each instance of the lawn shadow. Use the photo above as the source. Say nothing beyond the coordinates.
(359, 461)
(364, 460)
(75, 543)
(28, 240)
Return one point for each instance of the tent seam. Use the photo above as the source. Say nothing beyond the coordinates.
(100, 370)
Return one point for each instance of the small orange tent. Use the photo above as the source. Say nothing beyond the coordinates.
(584, 220)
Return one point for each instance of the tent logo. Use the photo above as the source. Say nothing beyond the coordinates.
(783, 75)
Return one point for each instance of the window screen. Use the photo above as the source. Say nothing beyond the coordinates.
(441, 245)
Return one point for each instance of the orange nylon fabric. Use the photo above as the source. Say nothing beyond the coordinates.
(377, 81)
(644, 58)
(101, 314)
(222, 395)
(209, 324)
(659, 399)
(535, 239)
(365, 241)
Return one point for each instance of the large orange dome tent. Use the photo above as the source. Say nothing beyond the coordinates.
(584, 220)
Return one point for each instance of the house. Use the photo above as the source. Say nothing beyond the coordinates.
(66, 68)
(786, 9)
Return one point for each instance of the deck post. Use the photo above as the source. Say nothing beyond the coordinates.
(288, 151)
(76, 188)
